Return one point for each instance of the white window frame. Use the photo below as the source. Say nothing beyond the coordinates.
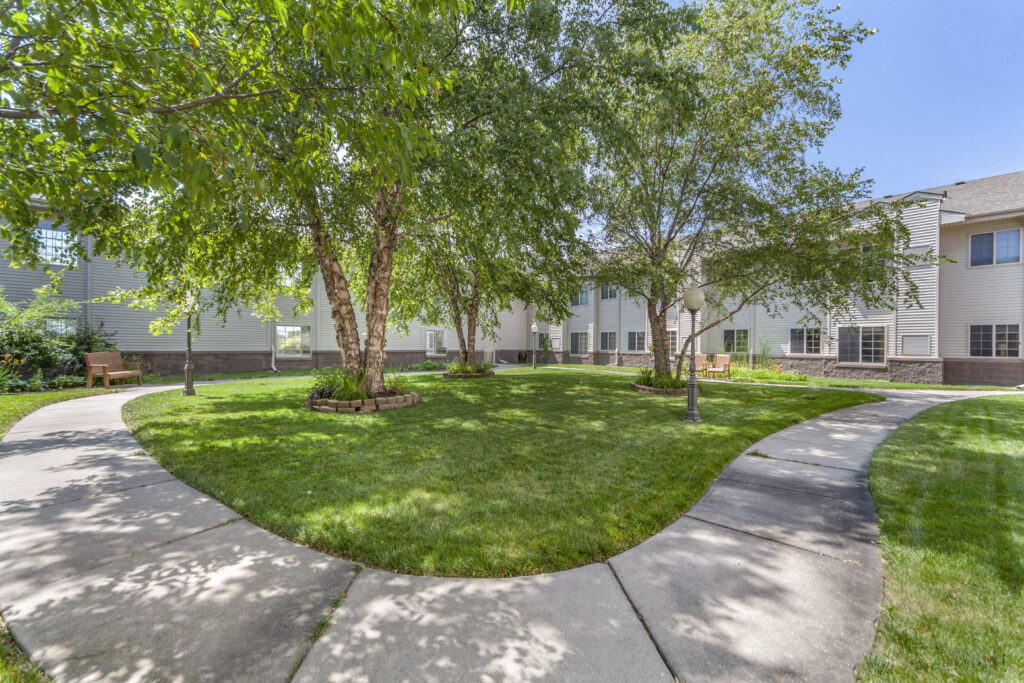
(54, 245)
(61, 327)
(609, 292)
(431, 343)
(673, 342)
(639, 340)
(860, 347)
(581, 299)
(804, 336)
(608, 341)
(305, 331)
(992, 329)
(582, 343)
(734, 331)
(995, 249)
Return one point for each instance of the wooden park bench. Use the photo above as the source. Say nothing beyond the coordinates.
(700, 364)
(109, 365)
(720, 367)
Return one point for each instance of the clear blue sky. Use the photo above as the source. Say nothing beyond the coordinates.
(936, 96)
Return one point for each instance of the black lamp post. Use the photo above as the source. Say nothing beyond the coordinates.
(534, 329)
(693, 299)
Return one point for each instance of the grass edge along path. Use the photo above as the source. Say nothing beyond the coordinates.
(949, 490)
(523, 473)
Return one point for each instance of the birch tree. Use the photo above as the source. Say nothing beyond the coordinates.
(702, 173)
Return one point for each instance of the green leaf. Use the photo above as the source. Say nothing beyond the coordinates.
(309, 31)
(142, 157)
(282, 12)
(201, 171)
(55, 80)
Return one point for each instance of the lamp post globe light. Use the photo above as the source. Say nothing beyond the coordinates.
(535, 329)
(693, 299)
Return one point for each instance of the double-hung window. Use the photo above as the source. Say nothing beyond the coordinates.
(805, 340)
(862, 345)
(581, 299)
(608, 341)
(293, 340)
(672, 343)
(999, 341)
(435, 343)
(61, 327)
(635, 341)
(54, 245)
(609, 292)
(578, 343)
(995, 248)
(736, 341)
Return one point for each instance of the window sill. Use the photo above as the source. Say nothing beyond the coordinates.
(288, 357)
(994, 358)
(870, 366)
(993, 265)
(817, 356)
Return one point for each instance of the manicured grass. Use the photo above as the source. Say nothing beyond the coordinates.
(949, 486)
(13, 407)
(212, 376)
(522, 473)
(833, 382)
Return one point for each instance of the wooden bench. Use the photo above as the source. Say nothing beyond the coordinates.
(720, 367)
(700, 364)
(109, 365)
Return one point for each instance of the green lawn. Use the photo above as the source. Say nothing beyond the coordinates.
(833, 382)
(949, 486)
(15, 667)
(13, 407)
(527, 472)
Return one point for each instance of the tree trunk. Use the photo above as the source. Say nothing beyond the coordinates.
(378, 286)
(343, 313)
(659, 337)
(452, 285)
(472, 313)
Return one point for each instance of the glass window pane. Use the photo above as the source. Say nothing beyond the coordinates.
(812, 340)
(796, 341)
(729, 340)
(981, 340)
(981, 249)
(672, 342)
(849, 345)
(293, 340)
(742, 341)
(1007, 341)
(873, 345)
(1008, 246)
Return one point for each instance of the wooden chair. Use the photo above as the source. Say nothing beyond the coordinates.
(700, 364)
(109, 365)
(720, 367)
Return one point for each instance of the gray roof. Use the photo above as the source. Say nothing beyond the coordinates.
(986, 195)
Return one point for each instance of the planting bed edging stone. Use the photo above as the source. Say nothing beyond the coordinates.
(369, 405)
(468, 375)
(657, 392)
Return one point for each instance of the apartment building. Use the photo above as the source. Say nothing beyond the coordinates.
(967, 328)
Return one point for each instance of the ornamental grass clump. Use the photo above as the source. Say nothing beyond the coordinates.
(648, 377)
(338, 385)
(473, 368)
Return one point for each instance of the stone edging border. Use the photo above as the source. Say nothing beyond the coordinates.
(369, 405)
(657, 392)
(467, 375)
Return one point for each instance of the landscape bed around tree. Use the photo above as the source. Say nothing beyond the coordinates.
(366, 405)
(525, 473)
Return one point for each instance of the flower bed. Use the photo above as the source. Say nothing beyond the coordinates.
(658, 392)
(366, 405)
(468, 375)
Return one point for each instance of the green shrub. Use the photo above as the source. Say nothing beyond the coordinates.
(460, 368)
(649, 378)
(337, 384)
(67, 382)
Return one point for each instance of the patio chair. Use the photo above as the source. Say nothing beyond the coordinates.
(720, 366)
(700, 364)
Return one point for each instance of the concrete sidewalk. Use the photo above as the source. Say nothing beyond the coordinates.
(111, 569)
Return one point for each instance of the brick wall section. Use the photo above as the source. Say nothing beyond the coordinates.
(1003, 372)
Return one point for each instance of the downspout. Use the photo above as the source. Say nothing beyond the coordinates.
(273, 347)
(618, 324)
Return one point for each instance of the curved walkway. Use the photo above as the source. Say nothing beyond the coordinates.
(112, 569)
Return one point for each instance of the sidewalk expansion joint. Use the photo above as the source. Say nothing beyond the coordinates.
(640, 618)
(782, 488)
(771, 540)
(88, 497)
(322, 626)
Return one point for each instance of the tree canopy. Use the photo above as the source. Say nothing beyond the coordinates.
(702, 176)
